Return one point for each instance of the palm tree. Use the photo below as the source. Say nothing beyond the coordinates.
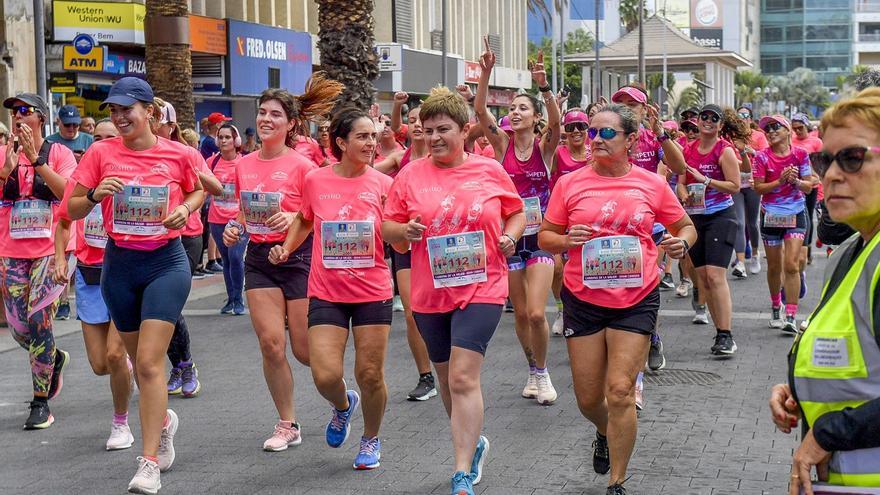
(691, 96)
(345, 38)
(169, 66)
(748, 87)
(540, 7)
(629, 13)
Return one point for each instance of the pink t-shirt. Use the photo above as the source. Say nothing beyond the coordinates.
(344, 210)
(310, 149)
(648, 153)
(473, 197)
(758, 140)
(785, 199)
(488, 151)
(156, 180)
(566, 164)
(225, 207)
(811, 144)
(88, 250)
(194, 225)
(613, 206)
(328, 154)
(257, 181)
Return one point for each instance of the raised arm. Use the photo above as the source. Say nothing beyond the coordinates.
(400, 98)
(551, 142)
(497, 138)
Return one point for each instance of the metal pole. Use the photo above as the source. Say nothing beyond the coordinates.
(641, 43)
(664, 91)
(444, 20)
(553, 27)
(40, 47)
(597, 77)
(562, 49)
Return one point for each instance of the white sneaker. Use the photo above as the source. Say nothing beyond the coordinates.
(557, 324)
(754, 264)
(166, 442)
(120, 437)
(531, 389)
(146, 479)
(684, 288)
(739, 270)
(397, 305)
(546, 393)
(700, 316)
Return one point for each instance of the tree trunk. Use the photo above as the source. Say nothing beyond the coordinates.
(169, 66)
(346, 43)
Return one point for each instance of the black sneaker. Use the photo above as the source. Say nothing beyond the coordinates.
(63, 312)
(214, 266)
(656, 358)
(615, 489)
(508, 306)
(61, 360)
(601, 458)
(667, 282)
(724, 344)
(40, 417)
(790, 326)
(424, 390)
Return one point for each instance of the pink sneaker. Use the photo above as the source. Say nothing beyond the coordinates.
(283, 437)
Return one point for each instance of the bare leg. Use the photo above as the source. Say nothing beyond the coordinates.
(268, 308)
(370, 345)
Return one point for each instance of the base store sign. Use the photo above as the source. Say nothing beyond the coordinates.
(104, 21)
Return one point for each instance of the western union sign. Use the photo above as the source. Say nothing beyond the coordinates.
(105, 22)
(93, 61)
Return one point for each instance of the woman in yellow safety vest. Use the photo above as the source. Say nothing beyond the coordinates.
(834, 365)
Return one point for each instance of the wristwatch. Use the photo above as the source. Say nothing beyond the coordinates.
(687, 247)
(91, 196)
(707, 181)
(510, 237)
(662, 137)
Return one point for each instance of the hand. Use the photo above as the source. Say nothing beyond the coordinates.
(673, 246)
(578, 235)
(177, 218)
(414, 229)
(108, 187)
(809, 454)
(375, 111)
(538, 73)
(487, 59)
(465, 91)
(59, 275)
(699, 177)
(401, 97)
(562, 97)
(231, 236)
(280, 221)
(26, 140)
(278, 254)
(654, 119)
(783, 407)
(11, 160)
(507, 245)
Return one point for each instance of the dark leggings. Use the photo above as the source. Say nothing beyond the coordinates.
(178, 348)
(748, 208)
(812, 199)
(233, 262)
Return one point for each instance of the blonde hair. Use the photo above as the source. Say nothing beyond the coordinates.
(191, 137)
(864, 107)
(442, 102)
(314, 104)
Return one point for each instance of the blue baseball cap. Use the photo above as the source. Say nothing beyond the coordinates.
(127, 91)
(69, 114)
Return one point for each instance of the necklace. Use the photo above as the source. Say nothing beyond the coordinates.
(523, 154)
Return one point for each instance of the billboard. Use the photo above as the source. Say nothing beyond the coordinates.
(106, 22)
(256, 50)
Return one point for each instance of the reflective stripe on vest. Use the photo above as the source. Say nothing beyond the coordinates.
(837, 363)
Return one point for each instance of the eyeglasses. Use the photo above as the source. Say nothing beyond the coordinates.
(690, 128)
(849, 159)
(744, 115)
(773, 127)
(23, 110)
(606, 133)
(70, 125)
(580, 126)
(706, 116)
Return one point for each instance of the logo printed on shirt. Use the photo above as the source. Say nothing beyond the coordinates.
(368, 197)
(160, 169)
(430, 189)
(472, 185)
(330, 196)
(121, 167)
(249, 176)
(634, 193)
(279, 175)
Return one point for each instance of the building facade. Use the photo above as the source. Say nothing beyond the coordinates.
(866, 30)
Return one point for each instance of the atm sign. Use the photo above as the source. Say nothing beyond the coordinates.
(93, 61)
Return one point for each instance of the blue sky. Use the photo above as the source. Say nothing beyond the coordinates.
(579, 9)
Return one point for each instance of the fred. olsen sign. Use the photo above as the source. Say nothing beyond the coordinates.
(263, 56)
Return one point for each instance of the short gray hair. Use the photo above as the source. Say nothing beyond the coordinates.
(628, 119)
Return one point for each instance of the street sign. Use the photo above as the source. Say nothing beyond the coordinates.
(390, 57)
(84, 55)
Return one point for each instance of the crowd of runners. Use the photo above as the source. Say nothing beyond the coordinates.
(437, 210)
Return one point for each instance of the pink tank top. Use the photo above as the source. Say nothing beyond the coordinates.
(566, 164)
(530, 177)
(648, 152)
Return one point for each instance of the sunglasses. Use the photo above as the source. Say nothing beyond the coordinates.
(773, 127)
(706, 116)
(70, 125)
(606, 133)
(690, 128)
(849, 159)
(744, 115)
(23, 110)
(579, 126)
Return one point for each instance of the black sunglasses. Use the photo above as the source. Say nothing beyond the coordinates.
(580, 126)
(690, 128)
(849, 159)
(708, 115)
(607, 133)
(70, 125)
(23, 110)
(773, 127)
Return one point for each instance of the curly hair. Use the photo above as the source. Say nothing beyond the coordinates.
(314, 104)
(734, 128)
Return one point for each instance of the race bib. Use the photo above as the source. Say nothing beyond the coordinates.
(93, 228)
(533, 215)
(140, 210)
(695, 204)
(457, 259)
(259, 207)
(831, 352)
(31, 219)
(612, 262)
(227, 199)
(773, 220)
(348, 244)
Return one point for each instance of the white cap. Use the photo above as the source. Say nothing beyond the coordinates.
(169, 115)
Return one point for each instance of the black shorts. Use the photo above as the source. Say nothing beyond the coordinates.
(292, 277)
(469, 328)
(323, 312)
(580, 318)
(193, 247)
(400, 261)
(716, 235)
(528, 253)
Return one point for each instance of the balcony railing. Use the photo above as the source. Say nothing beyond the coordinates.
(867, 5)
(869, 37)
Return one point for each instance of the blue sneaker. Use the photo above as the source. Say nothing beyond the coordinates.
(462, 484)
(369, 455)
(238, 307)
(175, 381)
(479, 459)
(227, 308)
(803, 285)
(340, 424)
(189, 376)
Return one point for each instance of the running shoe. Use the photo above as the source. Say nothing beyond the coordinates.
(667, 282)
(776, 317)
(227, 308)
(175, 381)
(724, 344)
(656, 358)
(790, 326)
(546, 394)
(190, 378)
(397, 306)
(684, 288)
(340, 424)
(803, 292)
(739, 270)
(62, 358)
(369, 454)
(283, 437)
(804, 325)
(531, 389)
(165, 454)
(480, 454)
(556, 329)
(63, 311)
(214, 266)
(601, 457)
(146, 479)
(462, 484)
(508, 306)
(640, 393)
(120, 437)
(424, 390)
(40, 417)
(199, 274)
(700, 315)
(754, 264)
(615, 489)
(238, 308)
